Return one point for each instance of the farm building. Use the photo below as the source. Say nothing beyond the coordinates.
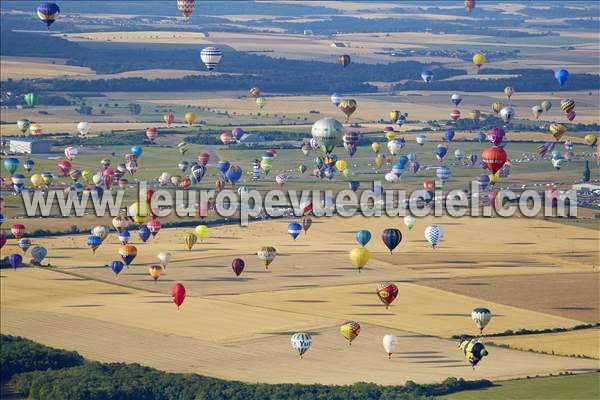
(29, 146)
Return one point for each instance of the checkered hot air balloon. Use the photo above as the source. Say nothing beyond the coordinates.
(350, 331)
(186, 7)
(434, 234)
(211, 56)
(301, 342)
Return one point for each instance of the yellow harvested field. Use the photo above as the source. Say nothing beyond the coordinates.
(239, 328)
(17, 69)
(139, 37)
(581, 342)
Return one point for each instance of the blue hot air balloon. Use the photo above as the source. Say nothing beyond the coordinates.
(483, 180)
(15, 260)
(223, 166)
(427, 76)
(440, 152)
(144, 233)
(391, 238)
(137, 151)
(414, 166)
(38, 253)
(443, 173)
(24, 244)
(354, 185)
(472, 159)
(28, 165)
(586, 172)
(403, 160)
(233, 174)
(18, 181)
(94, 242)
(363, 237)
(11, 165)
(561, 76)
(397, 169)
(47, 13)
(449, 135)
(294, 229)
(411, 157)
(377, 190)
(124, 236)
(117, 267)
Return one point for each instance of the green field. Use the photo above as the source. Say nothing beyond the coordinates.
(575, 387)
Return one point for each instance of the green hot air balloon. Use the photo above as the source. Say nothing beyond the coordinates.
(31, 99)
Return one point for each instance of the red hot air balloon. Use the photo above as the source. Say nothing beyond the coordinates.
(154, 226)
(151, 134)
(203, 158)
(387, 293)
(455, 114)
(169, 118)
(237, 265)
(428, 185)
(18, 230)
(178, 294)
(225, 138)
(64, 167)
(306, 207)
(494, 158)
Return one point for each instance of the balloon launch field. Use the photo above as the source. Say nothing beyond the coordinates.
(239, 328)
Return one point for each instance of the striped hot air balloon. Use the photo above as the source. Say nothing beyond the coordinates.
(301, 342)
(211, 56)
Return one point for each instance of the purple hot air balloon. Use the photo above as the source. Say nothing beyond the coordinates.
(15, 260)
(571, 115)
(238, 133)
(414, 166)
(237, 265)
(496, 136)
(472, 159)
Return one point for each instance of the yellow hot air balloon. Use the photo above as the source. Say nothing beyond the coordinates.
(390, 135)
(493, 179)
(37, 180)
(359, 257)
(139, 212)
(201, 231)
(558, 130)
(379, 160)
(189, 118)
(375, 147)
(479, 60)
(87, 176)
(350, 331)
(590, 139)
(497, 107)
(190, 240)
(155, 271)
(340, 165)
(35, 130)
(260, 102)
(347, 173)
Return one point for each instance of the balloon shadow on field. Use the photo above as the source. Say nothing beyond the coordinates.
(112, 293)
(231, 279)
(520, 243)
(290, 333)
(418, 352)
(307, 301)
(301, 286)
(159, 302)
(377, 314)
(85, 305)
(310, 276)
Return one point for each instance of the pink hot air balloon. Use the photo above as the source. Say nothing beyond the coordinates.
(71, 152)
(3, 239)
(107, 177)
(178, 294)
(151, 134)
(203, 158)
(496, 136)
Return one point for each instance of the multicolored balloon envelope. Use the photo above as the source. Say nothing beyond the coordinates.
(387, 292)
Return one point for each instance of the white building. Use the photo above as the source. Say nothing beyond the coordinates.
(29, 146)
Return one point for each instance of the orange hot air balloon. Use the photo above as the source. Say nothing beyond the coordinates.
(178, 294)
(225, 138)
(169, 118)
(219, 184)
(185, 183)
(155, 271)
(494, 158)
(128, 253)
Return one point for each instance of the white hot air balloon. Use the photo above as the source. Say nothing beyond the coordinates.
(481, 316)
(301, 342)
(164, 178)
(410, 221)
(101, 231)
(507, 114)
(433, 234)
(327, 133)
(394, 146)
(71, 152)
(83, 128)
(281, 179)
(211, 56)
(389, 344)
(97, 179)
(391, 177)
(421, 139)
(164, 257)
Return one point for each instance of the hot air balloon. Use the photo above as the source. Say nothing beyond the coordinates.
(237, 265)
(348, 107)
(557, 130)
(94, 242)
(483, 180)
(178, 294)
(455, 114)
(128, 253)
(189, 118)
(336, 98)
(139, 212)
(389, 344)
(509, 91)
(458, 154)
(421, 139)
(586, 172)
(306, 223)
(496, 136)
(136, 151)
(23, 125)
(225, 138)
(237, 133)
(443, 173)
(301, 342)
(363, 237)
(144, 233)
(507, 114)
(11, 165)
(481, 316)
(494, 158)
(449, 135)
(83, 128)
(590, 139)
(38, 253)
(474, 350)
(359, 257)
(24, 244)
(567, 105)
(537, 111)
(327, 132)
(561, 76)
(456, 99)
(71, 153)
(168, 118)
(124, 236)
(391, 238)
(387, 292)
(15, 260)
(261, 102)
(294, 229)
(440, 152)
(186, 7)
(101, 231)
(266, 254)
(350, 330)
(497, 107)
(48, 13)
(211, 56)
(151, 134)
(546, 105)
(190, 240)
(344, 60)
(479, 60)
(116, 267)
(18, 230)
(433, 234)
(31, 99)
(155, 271)
(427, 76)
